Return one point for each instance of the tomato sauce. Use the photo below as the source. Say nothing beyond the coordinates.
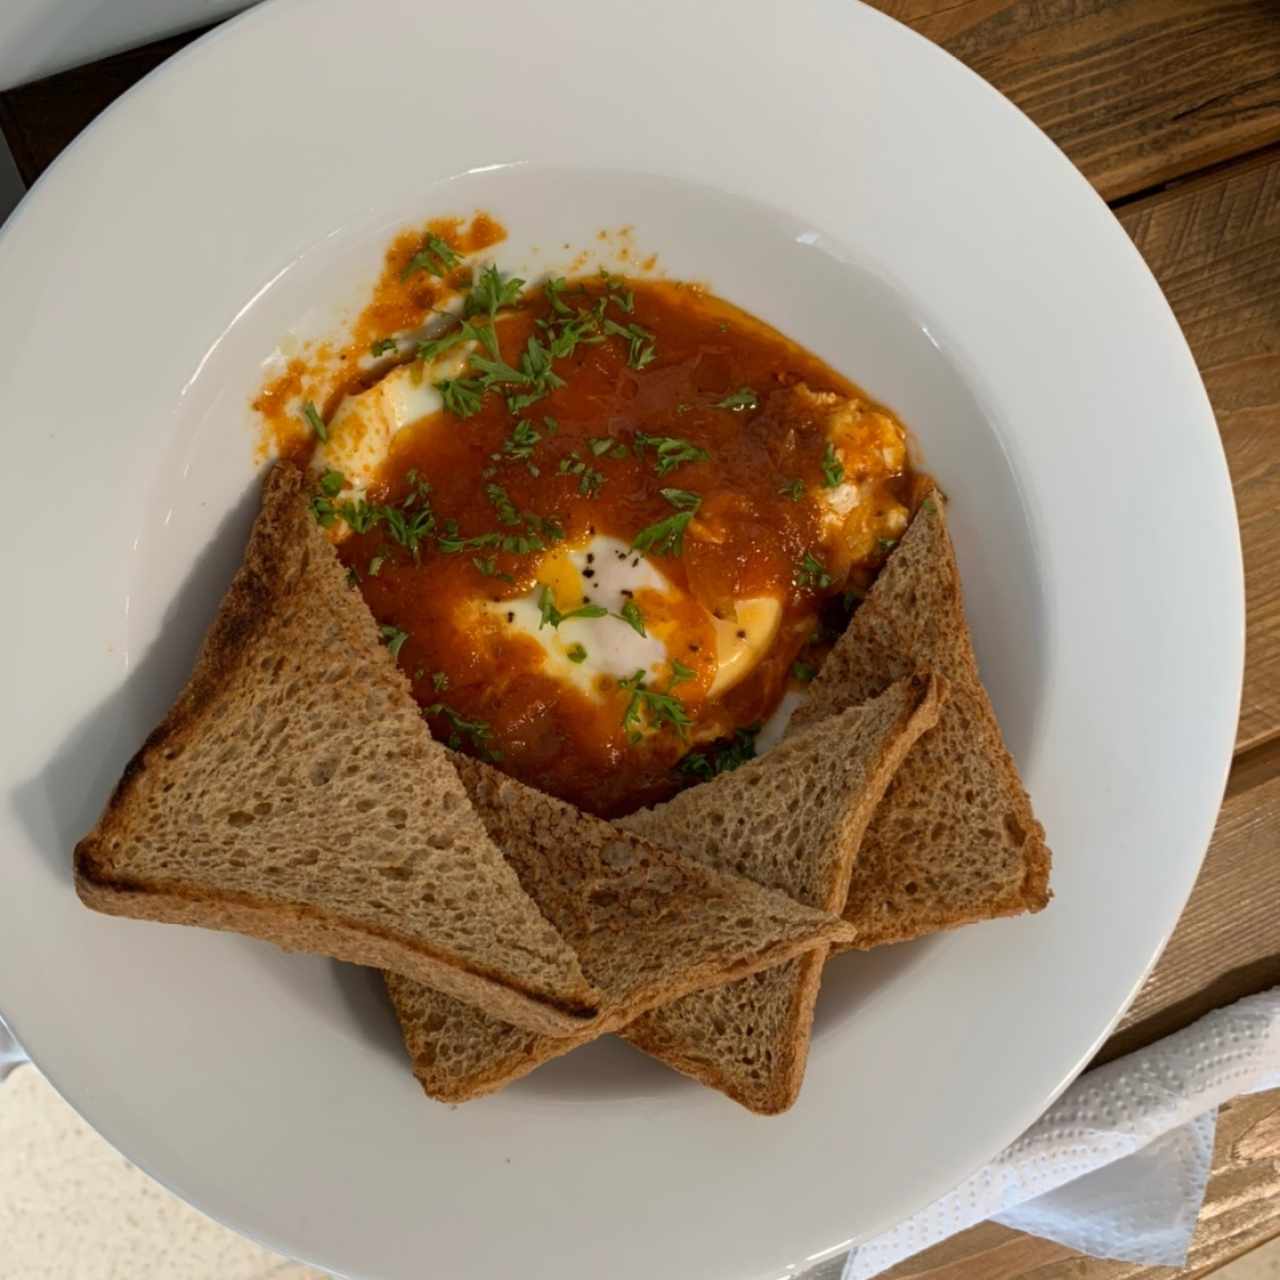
(573, 466)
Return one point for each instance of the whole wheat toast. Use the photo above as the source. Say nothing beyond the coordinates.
(750, 1039)
(955, 839)
(801, 811)
(294, 793)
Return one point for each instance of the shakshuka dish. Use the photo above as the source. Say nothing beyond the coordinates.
(609, 525)
(617, 540)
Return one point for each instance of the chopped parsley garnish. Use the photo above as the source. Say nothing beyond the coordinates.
(540, 532)
(409, 528)
(622, 297)
(551, 616)
(832, 467)
(631, 615)
(375, 566)
(433, 347)
(576, 653)
(589, 479)
(535, 373)
(461, 396)
(489, 567)
(564, 341)
(553, 289)
(315, 421)
(496, 373)
(792, 489)
(811, 572)
(520, 443)
(721, 757)
(408, 524)
(439, 681)
(502, 504)
(640, 348)
(803, 671)
(324, 511)
(382, 347)
(680, 673)
(477, 730)
(670, 452)
(360, 515)
(394, 639)
(413, 520)
(657, 709)
(666, 537)
(435, 257)
(545, 527)
(607, 447)
(332, 483)
(743, 398)
(449, 543)
(490, 293)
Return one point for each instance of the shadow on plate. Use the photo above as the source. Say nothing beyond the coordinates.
(855, 980)
(605, 1070)
(62, 802)
(364, 995)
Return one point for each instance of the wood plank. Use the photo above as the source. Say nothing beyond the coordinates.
(1214, 245)
(1136, 92)
(1239, 1215)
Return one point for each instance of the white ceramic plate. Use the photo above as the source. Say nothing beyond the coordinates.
(818, 164)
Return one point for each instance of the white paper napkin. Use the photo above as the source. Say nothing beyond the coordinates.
(1117, 1167)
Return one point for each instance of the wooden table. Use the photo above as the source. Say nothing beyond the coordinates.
(1171, 108)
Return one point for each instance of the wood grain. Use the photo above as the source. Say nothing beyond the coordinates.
(1239, 1214)
(1214, 245)
(1136, 92)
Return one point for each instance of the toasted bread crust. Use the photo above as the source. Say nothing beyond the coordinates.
(763, 1068)
(458, 1054)
(958, 783)
(259, 589)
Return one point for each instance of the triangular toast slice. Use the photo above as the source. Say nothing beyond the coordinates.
(812, 796)
(794, 821)
(294, 793)
(955, 840)
(648, 924)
